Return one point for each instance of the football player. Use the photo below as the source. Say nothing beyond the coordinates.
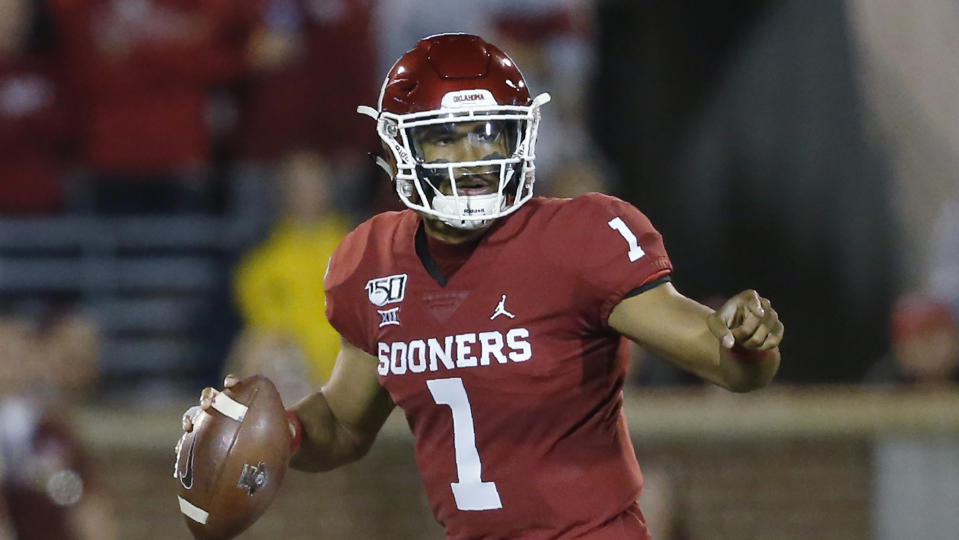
(493, 317)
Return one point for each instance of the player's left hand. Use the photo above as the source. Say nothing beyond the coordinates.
(206, 401)
(747, 320)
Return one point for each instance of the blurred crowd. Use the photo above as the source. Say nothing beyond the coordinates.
(150, 106)
(156, 106)
(48, 484)
(247, 108)
(220, 108)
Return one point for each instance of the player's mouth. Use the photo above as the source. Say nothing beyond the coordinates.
(477, 184)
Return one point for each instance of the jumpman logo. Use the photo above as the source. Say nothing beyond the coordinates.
(501, 310)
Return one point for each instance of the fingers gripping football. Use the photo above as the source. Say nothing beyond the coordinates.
(206, 401)
(747, 320)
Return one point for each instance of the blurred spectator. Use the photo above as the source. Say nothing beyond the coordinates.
(554, 42)
(144, 70)
(47, 482)
(925, 344)
(35, 129)
(311, 63)
(944, 268)
(915, 474)
(402, 22)
(279, 285)
(906, 64)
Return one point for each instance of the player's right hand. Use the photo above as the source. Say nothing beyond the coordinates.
(206, 401)
(208, 474)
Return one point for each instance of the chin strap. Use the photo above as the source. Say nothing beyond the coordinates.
(366, 110)
(380, 162)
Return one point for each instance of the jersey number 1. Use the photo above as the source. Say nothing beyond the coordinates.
(470, 492)
(635, 252)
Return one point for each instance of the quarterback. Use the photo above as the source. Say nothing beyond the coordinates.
(493, 318)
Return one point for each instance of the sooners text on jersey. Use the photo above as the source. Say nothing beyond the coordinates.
(509, 374)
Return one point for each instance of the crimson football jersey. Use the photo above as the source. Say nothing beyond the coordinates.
(508, 372)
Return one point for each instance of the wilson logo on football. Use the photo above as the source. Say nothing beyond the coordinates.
(386, 290)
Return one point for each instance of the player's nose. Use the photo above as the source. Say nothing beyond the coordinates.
(466, 150)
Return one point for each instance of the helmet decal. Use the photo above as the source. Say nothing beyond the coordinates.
(465, 98)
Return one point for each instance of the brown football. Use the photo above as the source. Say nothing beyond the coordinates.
(229, 468)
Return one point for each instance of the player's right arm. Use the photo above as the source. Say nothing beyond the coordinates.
(339, 423)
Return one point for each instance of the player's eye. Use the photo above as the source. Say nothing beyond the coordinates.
(443, 140)
(436, 135)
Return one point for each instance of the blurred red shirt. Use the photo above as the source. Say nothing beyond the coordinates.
(143, 69)
(310, 99)
(35, 135)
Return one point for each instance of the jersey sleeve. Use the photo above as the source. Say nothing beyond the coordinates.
(344, 296)
(617, 250)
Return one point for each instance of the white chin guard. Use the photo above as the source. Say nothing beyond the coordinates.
(477, 205)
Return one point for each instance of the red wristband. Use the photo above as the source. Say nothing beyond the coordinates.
(296, 431)
(748, 356)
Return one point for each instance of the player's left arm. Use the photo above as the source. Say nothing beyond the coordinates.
(736, 347)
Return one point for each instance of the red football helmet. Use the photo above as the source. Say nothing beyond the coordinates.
(461, 84)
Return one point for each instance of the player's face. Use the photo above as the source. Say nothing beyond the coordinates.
(464, 141)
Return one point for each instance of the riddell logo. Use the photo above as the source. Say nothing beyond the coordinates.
(402, 153)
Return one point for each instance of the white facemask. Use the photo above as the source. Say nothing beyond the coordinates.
(461, 211)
